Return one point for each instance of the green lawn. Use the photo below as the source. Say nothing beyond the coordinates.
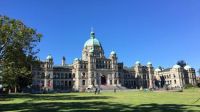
(129, 101)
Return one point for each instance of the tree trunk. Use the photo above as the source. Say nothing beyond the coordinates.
(9, 91)
(15, 89)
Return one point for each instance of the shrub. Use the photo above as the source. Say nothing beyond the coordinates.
(198, 84)
(188, 86)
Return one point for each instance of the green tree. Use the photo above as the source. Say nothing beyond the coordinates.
(18, 49)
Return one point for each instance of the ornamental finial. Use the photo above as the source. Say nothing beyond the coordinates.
(92, 34)
(92, 29)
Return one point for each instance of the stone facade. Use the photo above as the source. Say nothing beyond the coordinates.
(175, 77)
(95, 70)
(1, 78)
(198, 81)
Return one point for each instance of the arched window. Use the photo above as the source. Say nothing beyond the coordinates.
(83, 75)
(115, 75)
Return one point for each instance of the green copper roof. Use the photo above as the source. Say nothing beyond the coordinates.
(113, 53)
(49, 57)
(92, 41)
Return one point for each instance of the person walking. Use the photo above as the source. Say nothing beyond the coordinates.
(115, 90)
(99, 90)
(95, 92)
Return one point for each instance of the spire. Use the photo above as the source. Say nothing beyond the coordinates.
(92, 29)
(92, 34)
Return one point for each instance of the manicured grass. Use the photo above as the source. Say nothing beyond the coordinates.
(127, 101)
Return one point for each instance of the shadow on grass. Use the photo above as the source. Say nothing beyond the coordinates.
(94, 106)
(37, 97)
(85, 103)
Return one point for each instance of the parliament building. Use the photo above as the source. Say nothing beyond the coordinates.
(94, 70)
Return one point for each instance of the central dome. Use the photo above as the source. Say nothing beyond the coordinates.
(92, 41)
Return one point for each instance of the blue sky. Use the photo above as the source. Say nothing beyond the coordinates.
(160, 31)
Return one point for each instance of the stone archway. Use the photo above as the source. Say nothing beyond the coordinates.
(103, 80)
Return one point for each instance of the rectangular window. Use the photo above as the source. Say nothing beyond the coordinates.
(62, 83)
(70, 83)
(110, 82)
(58, 75)
(115, 75)
(70, 75)
(92, 82)
(66, 84)
(54, 75)
(62, 76)
(66, 75)
(83, 82)
(115, 81)
(54, 83)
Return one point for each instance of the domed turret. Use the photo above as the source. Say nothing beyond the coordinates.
(76, 59)
(92, 41)
(49, 57)
(113, 53)
(176, 66)
(137, 63)
(157, 69)
(94, 44)
(149, 63)
(187, 67)
(49, 62)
